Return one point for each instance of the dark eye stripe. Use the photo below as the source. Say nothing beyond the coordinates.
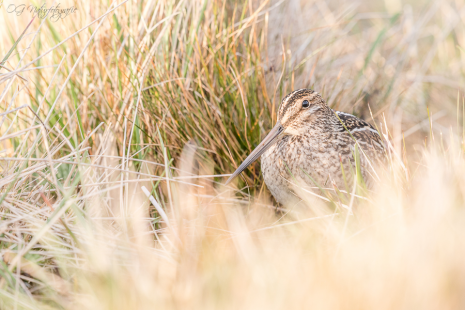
(292, 97)
(305, 104)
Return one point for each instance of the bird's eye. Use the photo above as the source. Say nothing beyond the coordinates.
(305, 104)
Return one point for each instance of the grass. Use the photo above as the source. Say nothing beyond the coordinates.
(172, 96)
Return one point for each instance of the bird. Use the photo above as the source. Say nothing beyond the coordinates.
(316, 144)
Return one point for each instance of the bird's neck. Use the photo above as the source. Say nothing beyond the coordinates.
(325, 124)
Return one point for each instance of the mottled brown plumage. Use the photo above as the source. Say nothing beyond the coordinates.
(310, 142)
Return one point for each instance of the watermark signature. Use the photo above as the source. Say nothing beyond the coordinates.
(54, 13)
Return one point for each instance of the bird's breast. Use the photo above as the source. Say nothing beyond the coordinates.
(307, 158)
(285, 160)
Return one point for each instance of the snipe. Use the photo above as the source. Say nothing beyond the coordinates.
(313, 143)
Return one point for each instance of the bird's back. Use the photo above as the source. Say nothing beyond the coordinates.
(364, 133)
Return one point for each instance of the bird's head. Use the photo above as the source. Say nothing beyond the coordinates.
(298, 110)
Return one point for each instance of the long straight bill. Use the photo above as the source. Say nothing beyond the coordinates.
(269, 140)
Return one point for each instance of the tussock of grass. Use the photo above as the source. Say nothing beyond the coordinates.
(170, 96)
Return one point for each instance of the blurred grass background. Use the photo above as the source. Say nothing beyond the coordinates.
(214, 72)
(174, 94)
